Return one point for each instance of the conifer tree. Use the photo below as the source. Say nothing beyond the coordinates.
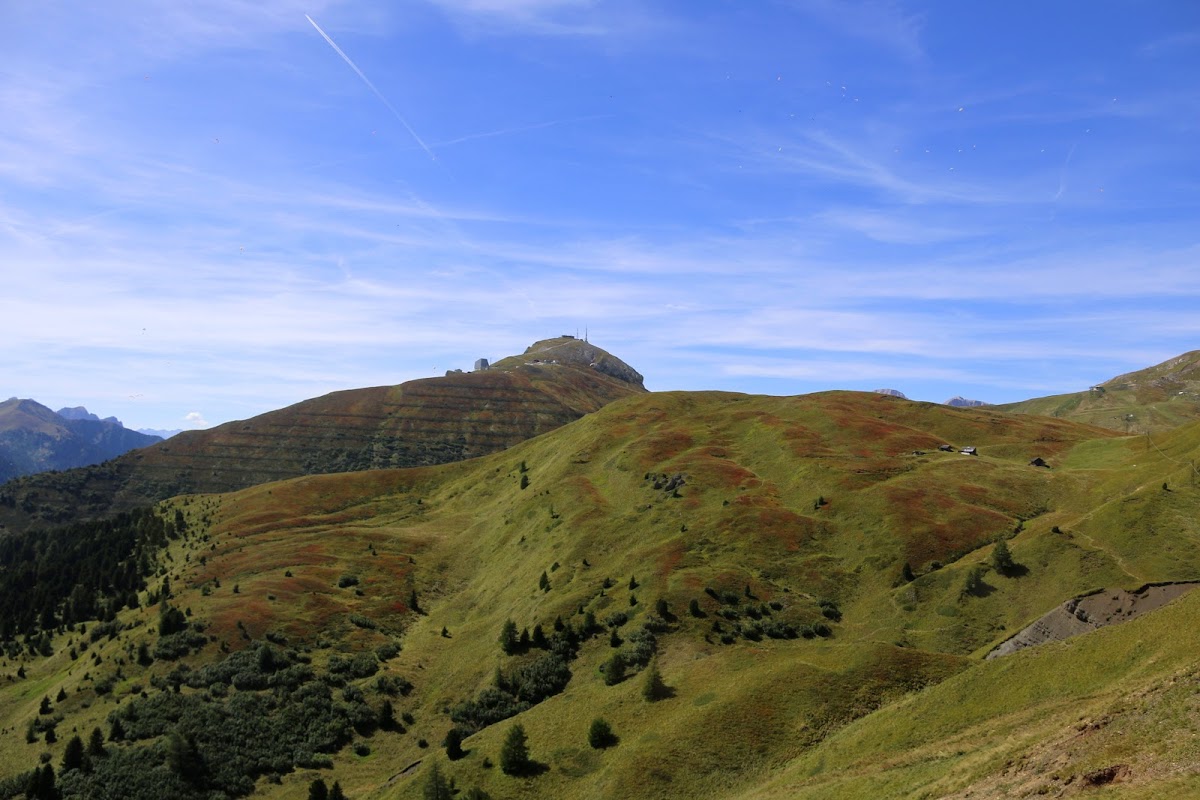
(614, 669)
(508, 638)
(44, 785)
(453, 743)
(436, 787)
(95, 747)
(514, 755)
(600, 735)
(73, 754)
(653, 688)
(1002, 559)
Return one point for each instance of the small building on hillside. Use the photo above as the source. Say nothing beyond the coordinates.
(969, 451)
(1039, 462)
(946, 448)
(481, 364)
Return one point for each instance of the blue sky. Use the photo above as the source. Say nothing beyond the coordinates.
(207, 212)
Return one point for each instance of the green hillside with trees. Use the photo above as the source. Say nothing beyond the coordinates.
(679, 595)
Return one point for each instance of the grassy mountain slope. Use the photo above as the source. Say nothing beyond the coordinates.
(34, 439)
(429, 421)
(1154, 399)
(794, 512)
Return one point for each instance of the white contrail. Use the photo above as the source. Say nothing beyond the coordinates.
(523, 129)
(370, 86)
(1062, 176)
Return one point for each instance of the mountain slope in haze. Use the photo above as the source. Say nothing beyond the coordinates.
(833, 518)
(35, 439)
(421, 422)
(80, 412)
(1152, 399)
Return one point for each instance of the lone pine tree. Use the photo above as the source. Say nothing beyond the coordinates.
(514, 755)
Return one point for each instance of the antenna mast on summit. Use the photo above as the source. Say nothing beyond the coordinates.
(585, 334)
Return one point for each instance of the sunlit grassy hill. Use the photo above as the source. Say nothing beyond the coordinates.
(818, 626)
(428, 421)
(1154, 399)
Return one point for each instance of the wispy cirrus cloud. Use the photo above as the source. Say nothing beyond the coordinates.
(879, 22)
(542, 17)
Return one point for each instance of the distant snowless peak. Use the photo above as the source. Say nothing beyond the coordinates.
(79, 412)
(962, 402)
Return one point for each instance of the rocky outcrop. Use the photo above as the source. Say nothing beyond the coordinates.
(1093, 611)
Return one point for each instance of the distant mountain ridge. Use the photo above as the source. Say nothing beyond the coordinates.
(79, 412)
(418, 423)
(35, 439)
(962, 402)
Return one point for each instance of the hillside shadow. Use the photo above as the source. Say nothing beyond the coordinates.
(664, 693)
(531, 769)
(983, 589)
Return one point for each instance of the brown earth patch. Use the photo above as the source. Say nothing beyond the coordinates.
(1091, 612)
(1107, 775)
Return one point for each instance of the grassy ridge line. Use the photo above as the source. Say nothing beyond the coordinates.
(1154, 399)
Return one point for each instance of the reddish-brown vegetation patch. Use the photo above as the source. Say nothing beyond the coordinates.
(669, 557)
(936, 527)
(805, 442)
(775, 526)
(658, 447)
(717, 472)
